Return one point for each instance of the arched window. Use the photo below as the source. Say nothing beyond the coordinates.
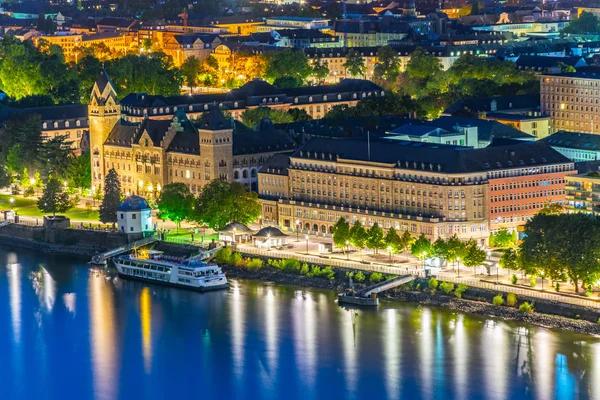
(253, 173)
(245, 174)
(236, 174)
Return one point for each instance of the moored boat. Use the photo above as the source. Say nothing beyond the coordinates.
(154, 266)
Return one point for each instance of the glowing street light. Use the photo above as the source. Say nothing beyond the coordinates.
(389, 249)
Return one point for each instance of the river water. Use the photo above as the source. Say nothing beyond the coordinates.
(68, 331)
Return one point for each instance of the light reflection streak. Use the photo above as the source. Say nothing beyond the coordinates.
(48, 289)
(543, 351)
(70, 300)
(393, 354)
(103, 338)
(494, 350)
(146, 322)
(304, 332)
(350, 343)
(461, 357)
(238, 332)
(426, 354)
(595, 378)
(271, 332)
(14, 289)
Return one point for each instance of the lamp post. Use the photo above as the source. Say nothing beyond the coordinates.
(389, 249)
(458, 266)
(297, 230)
(306, 237)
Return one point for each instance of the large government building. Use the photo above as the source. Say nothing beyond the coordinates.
(153, 150)
(437, 190)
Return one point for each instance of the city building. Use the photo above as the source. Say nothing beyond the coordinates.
(306, 38)
(571, 101)
(182, 47)
(423, 188)
(369, 33)
(73, 44)
(134, 215)
(583, 193)
(155, 150)
(577, 146)
(293, 23)
(68, 120)
(315, 100)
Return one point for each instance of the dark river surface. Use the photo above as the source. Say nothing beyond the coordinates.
(69, 331)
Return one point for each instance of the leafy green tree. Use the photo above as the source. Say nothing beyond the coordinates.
(22, 138)
(406, 242)
(299, 114)
(222, 202)
(153, 74)
(209, 72)
(112, 198)
(509, 259)
(502, 239)
(552, 209)
(440, 248)
(320, 70)
(586, 23)
(190, 69)
(79, 173)
(421, 248)
(375, 238)
(387, 67)
(289, 62)
(358, 236)
(423, 65)
(455, 249)
(341, 233)
(252, 117)
(287, 82)
(54, 198)
(392, 241)
(176, 202)
(473, 255)
(355, 64)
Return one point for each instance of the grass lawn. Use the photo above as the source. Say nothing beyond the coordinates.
(184, 234)
(27, 207)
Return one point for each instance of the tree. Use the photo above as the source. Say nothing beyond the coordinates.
(440, 248)
(176, 202)
(252, 117)
(355, 64)
(289, 62)
(421, 248)
(502, 239)
(341, 233)
(320, 70)
(392, 241)
(153, 74)
(287, 82)
(406, 242)
(423, 65)
(222, 202)
(585, 23)
(473, 255)
(358, 236)
(209, 72)
(509, 259)
(375, 238)
(79, 172)
(112, 198)
(387, 67)
(54, 199)
(299, 114)
(552, 209)
(455, 249)
(190, 69)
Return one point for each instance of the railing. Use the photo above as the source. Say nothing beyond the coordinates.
(334, 262)
(100, 258)
(520, 291)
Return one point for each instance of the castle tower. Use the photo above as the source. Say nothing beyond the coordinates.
(216, 145)
(103, 114)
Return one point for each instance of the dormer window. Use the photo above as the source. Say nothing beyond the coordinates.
(325, 98)
(66, 124)
(353, 95)
(310, 99)
(190, 108)
(339, 96)
(154, 111)
(205, 106)
(55, 124)
(161, 110)
(295, 100)
(235, 104)
(44, 125)
(167, 110)
(78, 123)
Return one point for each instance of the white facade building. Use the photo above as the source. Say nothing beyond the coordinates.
(134, 215)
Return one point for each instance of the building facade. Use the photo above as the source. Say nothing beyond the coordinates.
(571, 101)
(157, 150)
(425, 189)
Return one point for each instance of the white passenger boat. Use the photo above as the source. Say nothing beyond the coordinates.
(154, 266)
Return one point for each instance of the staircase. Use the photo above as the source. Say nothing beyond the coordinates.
(101, 258)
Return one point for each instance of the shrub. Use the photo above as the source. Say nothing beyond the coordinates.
(14, 190)
(433, 284)
(418, 287)
(557, 287)
(349, 274)
(30, 191)
(447, 287)
(498, 300)
(314, 271)
(223, 255)
(328, 273)
(359, 277)
(304, 269)
(514, 279)
(526, 307)
(588, 291)
(460, 289)
(290, 265)
(254, 264)
(532, 281)
(376, 277)
(236, 260)
(598, 320)
(511, 299)
(390, 277)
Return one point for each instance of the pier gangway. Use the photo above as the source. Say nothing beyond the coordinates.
(387, 285)
(100, 259)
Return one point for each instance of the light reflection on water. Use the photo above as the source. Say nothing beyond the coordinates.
(110, 338)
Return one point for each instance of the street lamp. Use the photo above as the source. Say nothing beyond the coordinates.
(297, 230)
(306, 237)
(12, 201)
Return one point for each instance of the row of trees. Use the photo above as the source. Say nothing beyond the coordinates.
(559, 247)
(219, 203)
(452, 250)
